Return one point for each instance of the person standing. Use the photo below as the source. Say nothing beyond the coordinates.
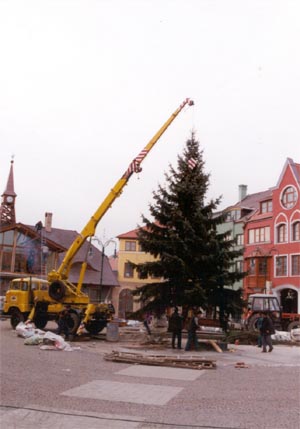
(266, 330)
(63, 322)
(259, 325)
(175, 326)
(146, 323)
(192, 332)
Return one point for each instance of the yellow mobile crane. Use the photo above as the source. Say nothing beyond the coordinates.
(42, 300)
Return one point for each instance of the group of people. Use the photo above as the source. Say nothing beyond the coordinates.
(264, 326)
(176, 326)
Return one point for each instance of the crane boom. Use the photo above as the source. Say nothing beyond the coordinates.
(90, 228)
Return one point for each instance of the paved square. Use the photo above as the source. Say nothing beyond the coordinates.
(125, 392)
(161, 372)
(55, 418)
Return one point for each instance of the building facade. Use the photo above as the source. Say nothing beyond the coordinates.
(129, 251)
(272, 241)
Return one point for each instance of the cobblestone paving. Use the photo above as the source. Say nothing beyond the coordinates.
(54, 389)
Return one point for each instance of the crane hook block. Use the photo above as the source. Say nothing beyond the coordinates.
(191, 103)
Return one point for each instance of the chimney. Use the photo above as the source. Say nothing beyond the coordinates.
(48, 222)
(242, 192)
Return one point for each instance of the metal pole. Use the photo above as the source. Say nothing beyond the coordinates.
(101, 272)
(103, 246)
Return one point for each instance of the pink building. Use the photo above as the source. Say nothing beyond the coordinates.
(272, 241)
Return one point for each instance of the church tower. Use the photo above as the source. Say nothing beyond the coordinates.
(7, 208)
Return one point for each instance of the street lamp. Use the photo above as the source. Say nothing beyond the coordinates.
(103, 247)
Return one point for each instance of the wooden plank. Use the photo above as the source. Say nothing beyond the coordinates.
(160, 360)
(215, 346)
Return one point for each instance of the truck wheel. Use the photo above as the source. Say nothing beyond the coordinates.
(57, 290)
(16, 317)
(95, 326)
(252, 326)
(293, 325)
(73, 322)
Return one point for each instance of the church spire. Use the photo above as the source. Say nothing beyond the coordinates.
(7, 209)
(10, 190)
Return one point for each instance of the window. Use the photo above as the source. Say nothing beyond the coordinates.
(128, 270)
(296, 231)
(25, 286)
(295, 265)
(281, 233)
(289, 197)
(233, 215)
(262, 267)
(5, 255)
(239, 266)
(228, 217)
(154, 276)
(281, 266)
(259, 235)
(262, 304)
(266, 206)
(20, 260)
(228, 236)
(8, 237)
(130, 246)
(240, 239)
(15, 285)
(252, 267)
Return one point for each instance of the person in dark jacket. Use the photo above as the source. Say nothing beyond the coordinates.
(259, 324)
(146, 323)
(192, 340)
(63, 322)
(266, 330)
(175, 326)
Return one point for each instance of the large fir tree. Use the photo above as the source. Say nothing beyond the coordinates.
(192, 257)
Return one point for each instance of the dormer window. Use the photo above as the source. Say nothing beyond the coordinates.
(266, 206)
(233, 215)
(289, 197)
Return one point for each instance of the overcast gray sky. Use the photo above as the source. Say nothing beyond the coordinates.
(85, 84)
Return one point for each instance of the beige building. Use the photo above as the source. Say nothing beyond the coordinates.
(128, 279)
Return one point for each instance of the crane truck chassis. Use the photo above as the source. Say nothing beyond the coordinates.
(42, 300)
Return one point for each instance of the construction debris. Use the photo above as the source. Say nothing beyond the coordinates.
(161, 338)
(242, 338)
(190, 362)
(240, 365)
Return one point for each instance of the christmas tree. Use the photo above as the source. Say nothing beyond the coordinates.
(192, 258)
